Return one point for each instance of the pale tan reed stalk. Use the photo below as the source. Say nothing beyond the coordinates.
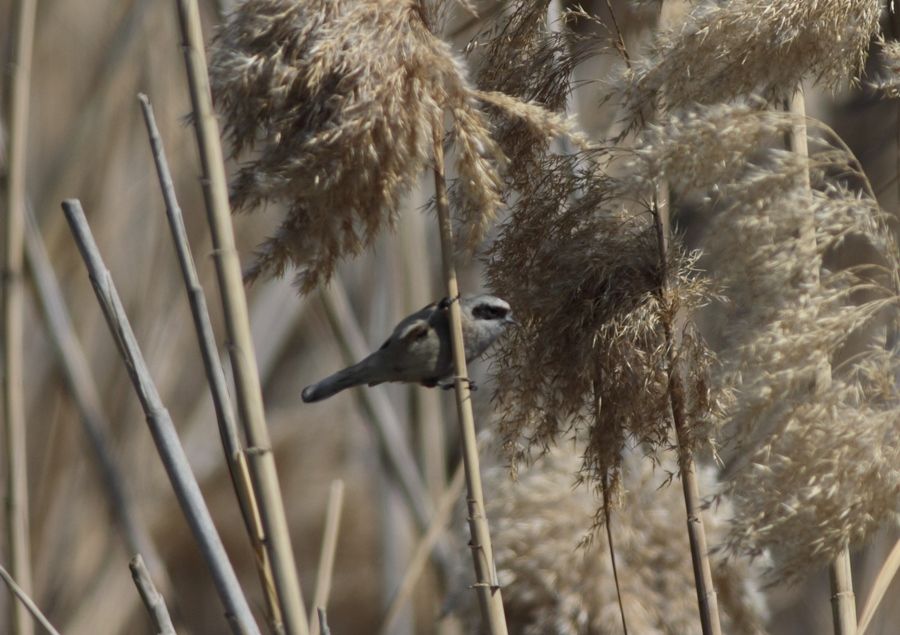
(883, 580)
(326, 554)
(228, 270)
(416, 566)
(843, 600)
(162, 428)
(235, 457)
(18, 544)
(487, 586)
(706, 592)
(88, 402)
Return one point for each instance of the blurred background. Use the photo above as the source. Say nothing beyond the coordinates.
(86, 139)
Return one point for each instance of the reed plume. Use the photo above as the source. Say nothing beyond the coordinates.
(726, 50)
(559, 580)
(808, 471)
(580, 262)
(337, 102)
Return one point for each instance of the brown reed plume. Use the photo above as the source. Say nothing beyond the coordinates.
(580, 262)
(338, 100)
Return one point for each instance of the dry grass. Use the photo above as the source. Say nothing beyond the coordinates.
(331, 106)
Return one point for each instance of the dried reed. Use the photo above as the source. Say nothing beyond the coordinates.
(235, 458)
(12, 389)
(27, 602)
(326, 553)
(487, 586)
(86, 396)
(234, 304)
(807, 475)
(161, 427)
(727, 50)
(555, 572)
(153, 600)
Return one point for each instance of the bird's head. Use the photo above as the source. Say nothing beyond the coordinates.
(488, 313)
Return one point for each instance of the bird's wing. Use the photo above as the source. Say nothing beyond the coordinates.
(412, 327)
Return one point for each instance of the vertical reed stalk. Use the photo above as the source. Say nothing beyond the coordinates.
(883, 579)
(228, 270)
(486, 584)
(17, 86)
(843, 600)
(237, 611)
(235, 458)
(706, 592)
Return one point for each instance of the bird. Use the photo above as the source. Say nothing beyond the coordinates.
(418, 350)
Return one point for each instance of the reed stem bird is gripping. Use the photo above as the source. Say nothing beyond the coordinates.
(419, 348)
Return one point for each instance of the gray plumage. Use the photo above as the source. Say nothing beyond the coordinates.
(419, 348)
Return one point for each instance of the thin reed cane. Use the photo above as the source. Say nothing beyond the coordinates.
(215, 376)
(162, 429)
(152, 599)
(237, 324)
(27, 602)
(490, 599)
(843, 600)
(883, 579)
(18, 544)
(426, 544)
(327, 552)
(80, 379)
(706, 592)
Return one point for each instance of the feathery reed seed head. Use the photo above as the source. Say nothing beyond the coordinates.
(556, 579)
(730, 49)
(583, 270)
(338, 101)
(812, 465)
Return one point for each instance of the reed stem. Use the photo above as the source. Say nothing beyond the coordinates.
(152, 599)
(234, 303)
(707, 599)
(17, 88)
(162, 428)
(235, 458)
(487, 586)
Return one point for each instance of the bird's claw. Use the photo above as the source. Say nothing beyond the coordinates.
(450, 385)
(445, 302)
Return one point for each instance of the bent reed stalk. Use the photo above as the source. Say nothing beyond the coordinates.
(162, 428)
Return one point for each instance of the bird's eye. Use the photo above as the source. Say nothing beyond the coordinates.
(488, 312)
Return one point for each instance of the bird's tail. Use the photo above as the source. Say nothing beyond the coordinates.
(355, 375)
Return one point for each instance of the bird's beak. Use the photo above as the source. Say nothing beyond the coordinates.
(511, 320)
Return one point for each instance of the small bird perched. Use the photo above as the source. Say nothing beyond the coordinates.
(419, 348)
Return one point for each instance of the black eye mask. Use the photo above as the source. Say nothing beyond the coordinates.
(486, 312)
